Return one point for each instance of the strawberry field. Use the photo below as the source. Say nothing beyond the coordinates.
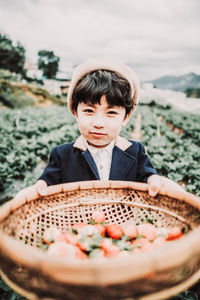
(171, 138)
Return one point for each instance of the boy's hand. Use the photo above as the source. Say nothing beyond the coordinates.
(39, 188)
(154, 184)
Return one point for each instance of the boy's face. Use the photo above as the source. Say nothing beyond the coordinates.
(101, 123)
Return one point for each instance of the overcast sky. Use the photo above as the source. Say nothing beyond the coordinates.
(155, 37)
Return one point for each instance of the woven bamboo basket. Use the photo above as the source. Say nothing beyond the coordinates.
(152, 275)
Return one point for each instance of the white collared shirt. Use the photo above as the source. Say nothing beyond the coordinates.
(102, 158)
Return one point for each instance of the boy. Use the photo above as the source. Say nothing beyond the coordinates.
(102, 96)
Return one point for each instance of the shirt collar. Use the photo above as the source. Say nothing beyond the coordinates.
(120, 142)
(94, 150)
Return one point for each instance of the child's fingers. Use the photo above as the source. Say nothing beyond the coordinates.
(41, 187)
(154, 183)
(153, 190)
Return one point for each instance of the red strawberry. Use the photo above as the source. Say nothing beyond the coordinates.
(147, 230)
(79, 226)
(61, 250)
(98, 216)
(109, 249)
(60, 238)
(84, 245)
(71, 238)
(174, 233)
(96, 254)
(67, 237)
(143, 244)
(140, 242)
(130, 230)
(80, 254)
(101, 229)
(114, 231)
(50, 235)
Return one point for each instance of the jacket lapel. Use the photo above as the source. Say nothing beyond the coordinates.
(91, 163)
(121, 160)
(121, 163)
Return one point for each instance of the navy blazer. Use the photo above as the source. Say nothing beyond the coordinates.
(68, 164)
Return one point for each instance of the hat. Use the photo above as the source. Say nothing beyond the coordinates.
(104, 63)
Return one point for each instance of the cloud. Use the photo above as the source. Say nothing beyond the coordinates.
(155, 37)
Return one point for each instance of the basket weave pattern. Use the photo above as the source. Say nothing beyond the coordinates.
(27, 223)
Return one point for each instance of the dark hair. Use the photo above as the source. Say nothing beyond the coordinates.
(91, 87)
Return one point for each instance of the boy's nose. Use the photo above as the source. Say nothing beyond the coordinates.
(98, 122)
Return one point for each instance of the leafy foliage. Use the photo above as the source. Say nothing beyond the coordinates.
(26, 138)
(172, 140)
(48, 62)
(187, 295)
(6, 293)
(11, 57)
(193, 92)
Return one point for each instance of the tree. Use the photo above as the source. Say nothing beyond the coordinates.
(193, 92)
(48, 62)
(12, 57)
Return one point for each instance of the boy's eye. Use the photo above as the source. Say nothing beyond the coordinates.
(88, 110)
(112, 112)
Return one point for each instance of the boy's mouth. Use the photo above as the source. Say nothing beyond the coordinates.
(97, 133)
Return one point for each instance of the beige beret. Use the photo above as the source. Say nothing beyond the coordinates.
(104, 63)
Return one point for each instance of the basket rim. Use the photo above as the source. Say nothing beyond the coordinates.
(124, 268)
(15, 203)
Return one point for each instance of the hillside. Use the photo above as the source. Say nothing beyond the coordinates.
(17, 95)
(177, 83)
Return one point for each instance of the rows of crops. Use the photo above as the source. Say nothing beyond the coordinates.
(26, 138)
(171, 138)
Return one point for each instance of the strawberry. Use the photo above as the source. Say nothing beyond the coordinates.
(71, 238)
(89, 230)
(88, 243)
(98, 216)
(60, 238)
(79, 227)
(114, 231)
(96, 254)
(80, 254)
(84, 245)
(68, 237)
(162, 232)
(143, 244)
(101, 229)
(50, 235)
(147, 230)
(61, 250)
(174, 233)
(109, 249)
(130, 230)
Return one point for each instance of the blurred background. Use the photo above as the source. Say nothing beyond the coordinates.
(41, 41)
